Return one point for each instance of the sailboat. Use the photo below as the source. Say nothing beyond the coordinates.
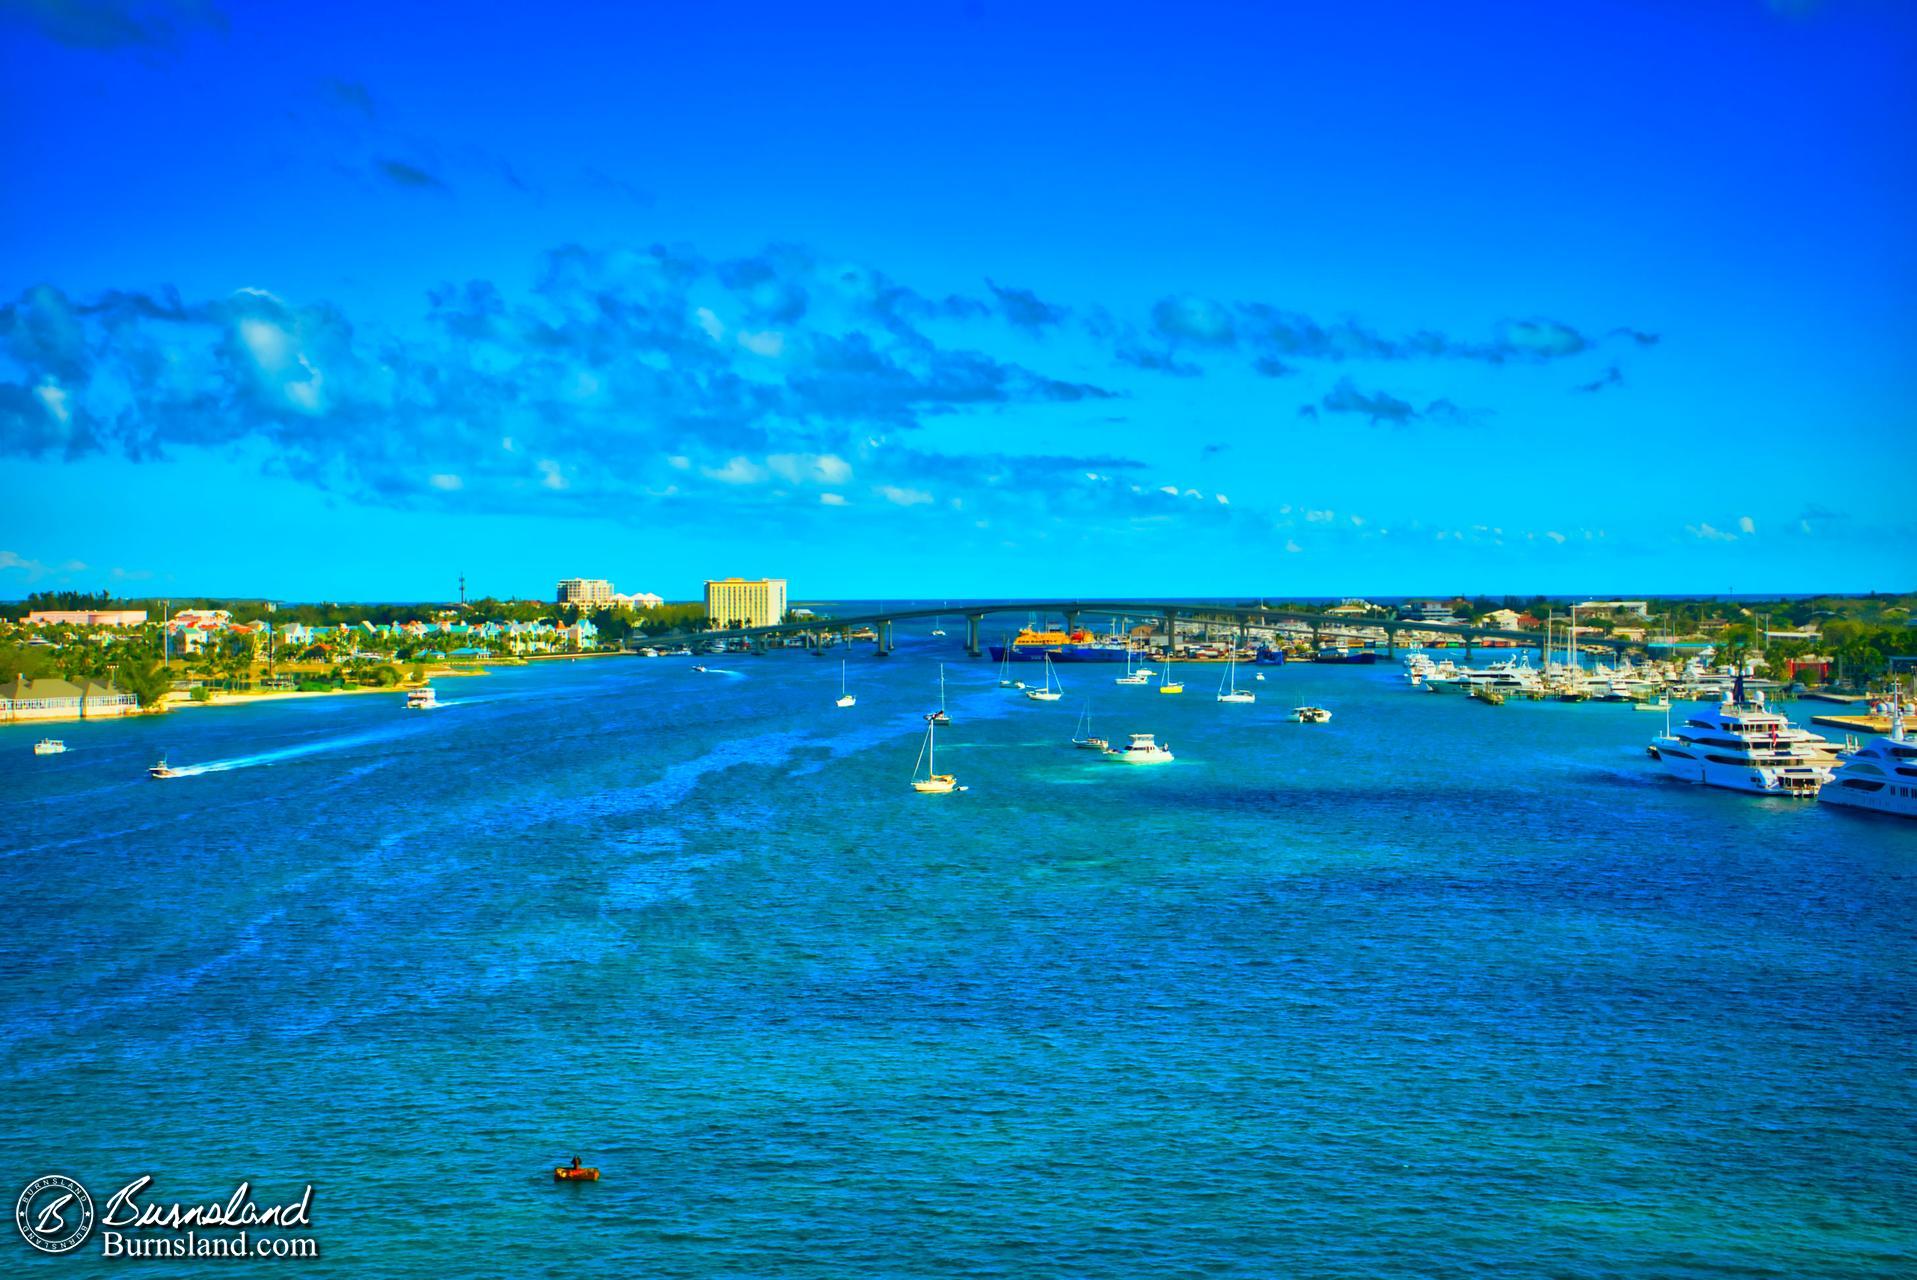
(1166, 684)
(845, 699)
(1082, 734)
(933, 783)
(939, 716)
(1233, 693)
(1048, 693)
(1131, 676)
(1005, 680)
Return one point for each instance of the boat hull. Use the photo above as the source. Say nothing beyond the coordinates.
(1759, 780)
(1060, 653)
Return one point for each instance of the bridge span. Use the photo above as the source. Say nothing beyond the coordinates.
(1167, 613)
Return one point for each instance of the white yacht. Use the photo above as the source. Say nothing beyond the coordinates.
(1741, 746)
(1139, 675)
(1142, 748)
(1881, 775)
(1504, 677)
(424, 698)
(49, 747)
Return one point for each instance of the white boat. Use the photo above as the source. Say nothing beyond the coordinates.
(1233, 693)
(1257, 675)
(1881, 775)
(1051, 692)
(1143, 748)
(933, 783)
(1742, 746)
(1132, 676)
(1165, 682)
(162, 770)
(1311, 715)
(939, 716)
(1082, 733)
(845, 699)
(1661, 703)
(1005, 680)
(937, 632)
(424, 698)
(49, 747)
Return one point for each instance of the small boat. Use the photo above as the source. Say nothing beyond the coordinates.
(1257, 675)
(1655, 704)
(1082, 734)
(1048, 693)
(700, 670)
(1131, 676)
(1311, 715)
(1573, 695)
(1233, 693)
(933, 783)
(937, 632)
(1166, 684)
(162, 770)
(1143, 748)
(422, 699)
(575, 1173)
(939, 716)
(1005, 680)
(49, 747)
(845, 699)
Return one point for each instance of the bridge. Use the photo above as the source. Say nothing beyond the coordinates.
(1169, 614)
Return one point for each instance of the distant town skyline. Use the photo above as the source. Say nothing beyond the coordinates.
(966, 301)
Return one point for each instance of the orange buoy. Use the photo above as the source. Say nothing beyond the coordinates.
(563, 1174)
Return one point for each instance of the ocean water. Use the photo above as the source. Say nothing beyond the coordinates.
(1437, 989)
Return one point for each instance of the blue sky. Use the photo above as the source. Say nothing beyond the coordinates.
(333, 301)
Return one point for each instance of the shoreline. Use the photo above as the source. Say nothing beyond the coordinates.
(225, 698)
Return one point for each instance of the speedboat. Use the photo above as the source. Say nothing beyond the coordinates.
(700, 670)
(1311, 715)
(1881, 775)
(162, 770)
(1143, 748)
(1742, 746)
(422, 699)
(49, 747)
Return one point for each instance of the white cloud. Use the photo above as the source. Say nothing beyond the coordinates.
(445, 482)
(1357, 522)
(1223, 501)
(679, 462)
(1172, 489)
(738, 471)
(1709, 534)
(766, 343)
(1746, 525)
(1291, 545)
(715, 329)
(903, 497)
(802, 468)
(1554, 536)
(551, 475)
(270, 346)
(506, 443)
(1321, 517)
(54, 398)
(1193, 493)
(832, 499)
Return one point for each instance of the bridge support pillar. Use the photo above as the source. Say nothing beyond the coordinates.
(1171, 633)
(1467, 648)
(1071, 621)
(1391, 641)
(972, 624)
(885, 637)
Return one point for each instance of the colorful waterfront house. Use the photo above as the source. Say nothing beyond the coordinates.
(47, 699)
(581, 634)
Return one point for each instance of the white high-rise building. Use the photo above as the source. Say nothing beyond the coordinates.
(587, 593)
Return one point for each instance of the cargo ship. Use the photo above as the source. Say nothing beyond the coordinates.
(1063, 646)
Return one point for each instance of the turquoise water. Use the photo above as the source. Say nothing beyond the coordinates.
(1437, 989)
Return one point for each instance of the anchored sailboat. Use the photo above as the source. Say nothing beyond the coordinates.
(1233, 693)
(845, 699)
(1052, 691)
(939, 716)
(1082, 734)
(1166, 684)
(933, 783)
(1139, 676)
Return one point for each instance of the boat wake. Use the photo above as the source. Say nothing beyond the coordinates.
(279, 754)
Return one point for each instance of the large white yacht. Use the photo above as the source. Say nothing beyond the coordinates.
(1504, 677)
(1741, 746)
(1881, 775)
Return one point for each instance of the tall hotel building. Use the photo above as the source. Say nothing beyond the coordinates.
(758, 602)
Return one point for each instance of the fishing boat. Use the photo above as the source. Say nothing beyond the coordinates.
(1082, 734)
(162, 770)
(49, 747)
(1142, 748)
(1311, 715)
(845, 699)
(424, 698)
(1165, 683)
(1228, 690)
(1052, 692)
(939, 716)
(933, 783)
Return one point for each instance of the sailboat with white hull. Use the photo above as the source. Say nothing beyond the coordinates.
(1228, 690)
(845, 699)
(1052, 691)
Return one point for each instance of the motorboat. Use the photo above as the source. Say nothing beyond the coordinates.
(1311, 715)
(49, 747)
(1744, 746)
(424, 698)
(1881, 775)
(162, 770)
(1141, 748)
